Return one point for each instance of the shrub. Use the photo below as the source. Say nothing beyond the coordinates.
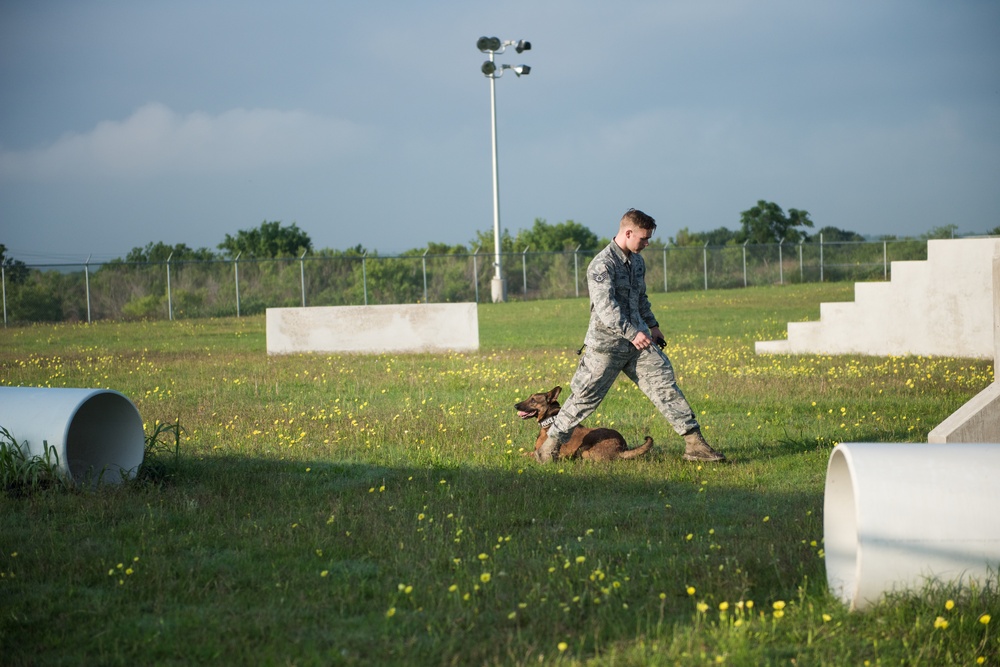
(144, 307)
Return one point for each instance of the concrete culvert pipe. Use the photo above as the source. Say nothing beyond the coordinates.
(96, 433)
(896, 516)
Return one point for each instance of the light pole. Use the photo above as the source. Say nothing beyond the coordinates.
(492, 46)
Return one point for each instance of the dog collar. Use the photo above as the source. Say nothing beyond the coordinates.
(547, 422)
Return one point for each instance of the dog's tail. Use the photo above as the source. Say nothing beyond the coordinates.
(638, 451)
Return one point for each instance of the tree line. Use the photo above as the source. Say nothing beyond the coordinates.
(129, 290)
(765, 222)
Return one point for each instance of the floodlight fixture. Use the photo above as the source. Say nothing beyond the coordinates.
(488, 44)
(522, 45)
(494, 71)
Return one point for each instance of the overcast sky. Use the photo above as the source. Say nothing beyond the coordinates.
(124, 123)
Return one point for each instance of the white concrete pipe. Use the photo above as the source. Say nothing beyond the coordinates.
(896, 516)
(96, 433)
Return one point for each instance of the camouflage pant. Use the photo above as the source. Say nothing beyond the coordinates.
(650, 369)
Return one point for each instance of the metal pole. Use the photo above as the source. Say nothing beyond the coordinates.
(3, 281)
(576, 269)
(821, 258)
(802, 275)
(424, 261)
(781, 268)
(498, 289)
(745, 262)
(86, 278)
(364, 276)
(170, 303)
(302, 276)
(236, 270)
(524, 270)
(885, 260)
(704, 253)
(664, 268)
(475, 272)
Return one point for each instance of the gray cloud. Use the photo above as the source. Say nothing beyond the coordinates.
(155, 141)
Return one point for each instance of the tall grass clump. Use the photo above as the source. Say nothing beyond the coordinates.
(22, 474)
(161, 454)
(379, 509)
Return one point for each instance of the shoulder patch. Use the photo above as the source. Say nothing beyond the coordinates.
(600, 277)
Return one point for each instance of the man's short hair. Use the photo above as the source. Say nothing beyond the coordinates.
(636, 218)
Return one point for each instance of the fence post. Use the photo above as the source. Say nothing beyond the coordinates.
(664, 268)
(745, 262)
(475, 272)
(524, 269)
(170, 302)
(364, 276)
(423, 260)
(802, 275)
(86, 278)
(781, 268)
(302, 276)
(576, 268)
(3, 281)
(704, 259)
(821, 258)
(236, 270)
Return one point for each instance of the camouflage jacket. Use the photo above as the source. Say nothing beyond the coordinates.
(619, 307)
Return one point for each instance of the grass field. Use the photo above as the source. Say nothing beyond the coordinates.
(329, 510)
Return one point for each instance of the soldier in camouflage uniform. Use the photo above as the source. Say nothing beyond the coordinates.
(622, 337)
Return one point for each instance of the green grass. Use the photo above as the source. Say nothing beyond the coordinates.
(23, 474)
(377, 509)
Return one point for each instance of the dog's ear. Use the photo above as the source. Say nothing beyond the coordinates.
(554, 393)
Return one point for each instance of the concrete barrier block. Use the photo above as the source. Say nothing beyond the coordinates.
(942, 306)
(427, 327)
(976, 421)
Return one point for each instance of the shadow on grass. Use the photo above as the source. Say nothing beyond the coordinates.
(790, 445)
(498, 560)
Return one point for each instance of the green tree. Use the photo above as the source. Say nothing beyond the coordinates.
(271, 239)
(568, 235)
(767, 223)
(835, 235)
(484, 241)
(715, 237)
(942, 232)
(157, 253)
(442, 249)
(46, 296)
(14, 270)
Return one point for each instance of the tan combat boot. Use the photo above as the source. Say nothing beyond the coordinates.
(549, 451)
(696, 449)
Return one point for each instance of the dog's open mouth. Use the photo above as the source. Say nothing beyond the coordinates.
(527, 414)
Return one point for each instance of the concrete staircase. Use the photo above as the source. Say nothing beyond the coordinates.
(943, 306)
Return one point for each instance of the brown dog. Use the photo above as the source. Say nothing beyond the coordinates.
(594, 444)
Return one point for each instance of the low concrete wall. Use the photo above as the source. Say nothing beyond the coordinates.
(979, 419)
(428, 327)
(976, 421)
(940, 307)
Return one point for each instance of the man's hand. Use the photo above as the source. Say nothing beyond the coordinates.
(642, 341)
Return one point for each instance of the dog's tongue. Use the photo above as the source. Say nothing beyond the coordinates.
(525, 415)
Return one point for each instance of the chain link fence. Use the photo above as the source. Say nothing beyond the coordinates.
(219, 288)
